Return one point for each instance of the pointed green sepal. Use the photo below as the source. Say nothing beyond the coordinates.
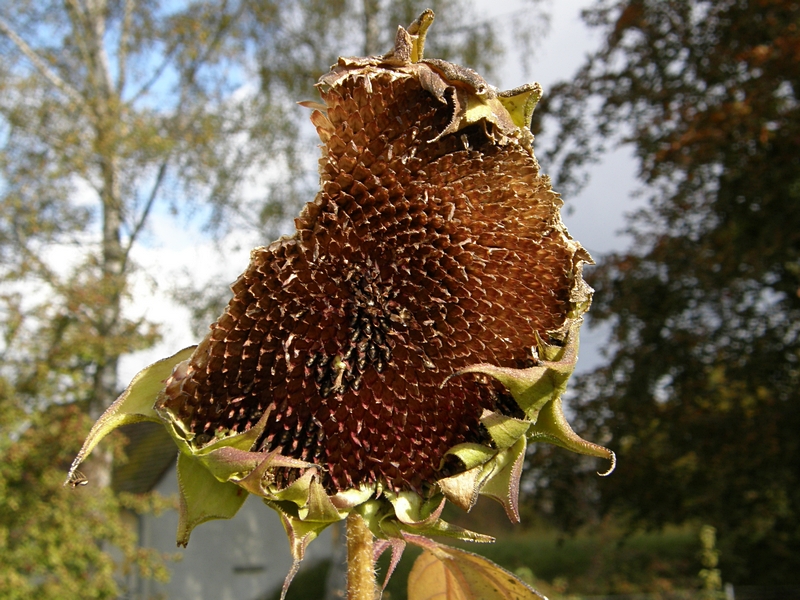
(411, 509)
(319, 507)
(134, 405)
(445, 529)
(247, 469)
(300, 533)
(417, 517)
(232, 458)
(552, 427)
(297, 492)
(534, 387)
(505, 430)
(503, 484)
(203, 497)
(187, 440)
(241, 441)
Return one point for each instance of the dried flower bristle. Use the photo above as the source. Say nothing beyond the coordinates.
(430, 247)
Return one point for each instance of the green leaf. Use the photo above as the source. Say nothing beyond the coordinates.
(203, 497)
(411, 509)
(135, 404)
(445, 573)
(472, 455)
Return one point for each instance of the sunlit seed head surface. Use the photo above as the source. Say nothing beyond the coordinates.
(421, 255)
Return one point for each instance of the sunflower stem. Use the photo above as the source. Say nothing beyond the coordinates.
(360, 570)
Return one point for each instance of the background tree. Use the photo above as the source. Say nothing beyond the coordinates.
(699, 394)
(113, 112)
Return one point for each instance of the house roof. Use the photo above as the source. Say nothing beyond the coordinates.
(150, 452)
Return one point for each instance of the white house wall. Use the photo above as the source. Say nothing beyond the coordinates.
(243, 558)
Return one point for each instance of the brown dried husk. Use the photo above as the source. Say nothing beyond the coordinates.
(434, 244)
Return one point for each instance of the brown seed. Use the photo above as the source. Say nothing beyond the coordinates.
(422, 254)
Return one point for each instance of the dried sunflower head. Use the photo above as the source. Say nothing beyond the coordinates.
(410, 338)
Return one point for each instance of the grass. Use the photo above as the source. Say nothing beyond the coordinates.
(592, 563)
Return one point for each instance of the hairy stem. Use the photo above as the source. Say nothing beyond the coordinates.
(360, 571)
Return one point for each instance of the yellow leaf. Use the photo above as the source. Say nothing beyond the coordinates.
(445, 573)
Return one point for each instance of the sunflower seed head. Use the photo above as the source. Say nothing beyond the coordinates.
(434, 244)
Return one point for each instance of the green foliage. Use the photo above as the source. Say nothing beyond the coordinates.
(57, 543)
(709, 557)
(699, 394)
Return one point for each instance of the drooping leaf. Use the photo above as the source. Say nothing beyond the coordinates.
(552, 427)
(203, 497)
(444, 573)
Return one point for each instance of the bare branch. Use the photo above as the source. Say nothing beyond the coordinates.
(224, 25)
(91, 21)
(98, 23)
(80, 22)
(162, 171)
(216, 40)
(40, 65)
(124, 40)
(156, 73)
